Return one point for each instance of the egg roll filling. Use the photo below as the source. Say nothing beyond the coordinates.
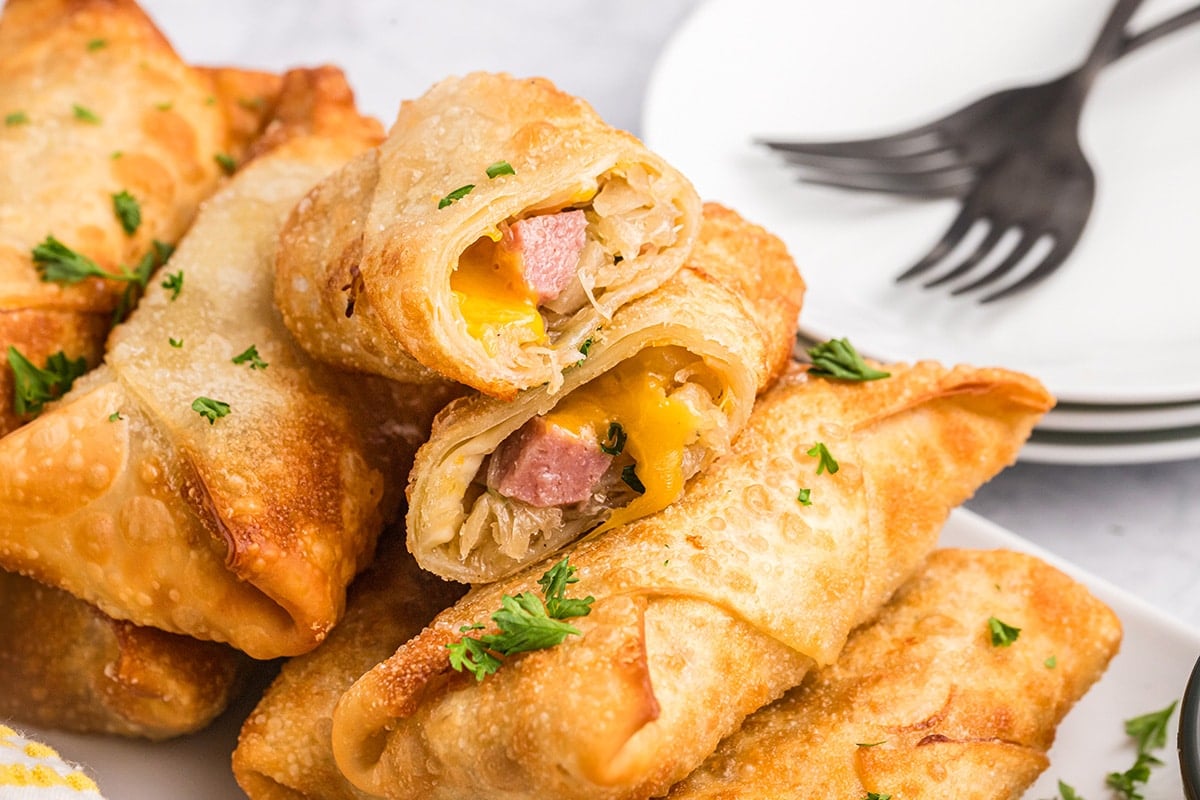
(519, 285)
(615, 449)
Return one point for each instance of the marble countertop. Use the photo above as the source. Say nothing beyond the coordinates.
(1137, 526)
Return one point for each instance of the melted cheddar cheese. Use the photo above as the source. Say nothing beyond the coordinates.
(658, 427)
(494, 299)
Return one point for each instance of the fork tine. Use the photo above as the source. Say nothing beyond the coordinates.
(1006, 266)
(907, 142)
(950, 239)
(1053, 260)
(917, 161)
(995, 232)
(941, 182)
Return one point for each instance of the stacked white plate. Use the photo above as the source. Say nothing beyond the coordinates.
(1115, 333)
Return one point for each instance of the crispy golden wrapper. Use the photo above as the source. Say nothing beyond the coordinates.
(244, 528)
(921, 704)
(369, 262)
(724, 325)
(705, 611)
(68, 666)
(95, 103)
(284, 750)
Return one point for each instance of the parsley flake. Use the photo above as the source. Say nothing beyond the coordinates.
(176, 343)
(16, 118)
(210, 409)
(870, 744)
(250, 356)
(1051, 662)
(629, 476)
(33, 386)
(166, 105)
(878, 796)
(804, 497)
(456, 195)
(115, 417)
(825, 460)
(614, 443)
(173, 283)
(525, 623)
(96, 44)
(1003, 634)
(84, 114)
(127, 211)
(500, 168)
(225, 162)
(838, 359)
(1067, 792)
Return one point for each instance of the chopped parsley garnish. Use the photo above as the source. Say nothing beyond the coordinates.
(629, 475)
(140, 276)
(173, 283)
(176, 343)
(16, 118)
(127, 211)
(1150, 733)
(55, 262)
(500, 168)
(1067, 792)
(115, 417)
(166, 105)
(225, 162)
(838, 359)
(878, 796)
(210, 409)
(84, 114)
(525, 623)
(33, 386)
(1003, 634)
(58, 263)
(804, 497)
(456, 195)
(250, 356)
(1051, 662)
(825, 460)
(251, 103)
(97, 44)
(614, 443)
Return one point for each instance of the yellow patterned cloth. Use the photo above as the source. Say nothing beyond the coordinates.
(30, 770)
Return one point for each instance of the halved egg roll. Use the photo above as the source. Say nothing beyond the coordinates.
(923, 702)
(108, 145)
(661, 392)
(284, 750)
(68, 666)
(831, 497)
(210, 478)
(500, 223)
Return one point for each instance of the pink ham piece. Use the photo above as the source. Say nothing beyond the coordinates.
(545, 465)
(548, 247)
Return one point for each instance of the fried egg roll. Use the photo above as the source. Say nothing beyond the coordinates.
(831, 497)
(97, 105)
(210, 478)
(500, 223)
(284, 750)
(923, 702)
(662, 392)
(68, 666)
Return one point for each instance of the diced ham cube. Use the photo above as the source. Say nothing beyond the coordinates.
(548, 247)
(545, 465)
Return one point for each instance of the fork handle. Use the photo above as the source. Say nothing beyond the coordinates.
(1156, 32)
(1108, 44)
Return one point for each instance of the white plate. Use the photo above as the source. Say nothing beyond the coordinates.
(1117, 324)
(1150, 672)
(1112, 447)
(1117, 418)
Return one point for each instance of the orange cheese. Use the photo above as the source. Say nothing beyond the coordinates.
(658, 427)
(493, 298)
